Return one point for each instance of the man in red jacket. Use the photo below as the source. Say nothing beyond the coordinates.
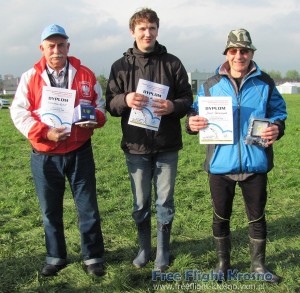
(59, 152)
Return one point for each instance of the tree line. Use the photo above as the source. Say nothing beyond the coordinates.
(290, 76)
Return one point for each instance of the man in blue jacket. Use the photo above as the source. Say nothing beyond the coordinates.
(248, 159)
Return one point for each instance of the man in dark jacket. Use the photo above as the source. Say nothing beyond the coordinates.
(151, 155)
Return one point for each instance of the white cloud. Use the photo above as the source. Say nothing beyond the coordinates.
(195, 31)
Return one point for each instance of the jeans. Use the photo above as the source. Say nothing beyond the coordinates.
(161, 169)
(254, 190)
(49, 174)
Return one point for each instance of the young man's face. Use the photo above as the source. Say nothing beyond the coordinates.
(145, 34)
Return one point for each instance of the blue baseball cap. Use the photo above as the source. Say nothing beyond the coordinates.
(51, 30)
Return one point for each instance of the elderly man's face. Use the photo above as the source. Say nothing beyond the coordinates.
(55, 49)
(239, 60)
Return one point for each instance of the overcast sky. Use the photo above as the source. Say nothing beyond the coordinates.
(193, 30)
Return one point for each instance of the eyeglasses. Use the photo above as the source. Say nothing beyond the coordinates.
(233, 51)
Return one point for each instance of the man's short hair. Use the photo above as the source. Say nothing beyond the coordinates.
(142, 15)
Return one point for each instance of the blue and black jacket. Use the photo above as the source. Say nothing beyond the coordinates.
(256, 97)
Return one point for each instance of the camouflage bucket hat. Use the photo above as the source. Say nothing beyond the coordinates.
(239, 38)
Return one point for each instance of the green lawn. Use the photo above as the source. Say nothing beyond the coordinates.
(22, 251)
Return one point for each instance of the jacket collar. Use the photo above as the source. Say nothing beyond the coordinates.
(134, 51)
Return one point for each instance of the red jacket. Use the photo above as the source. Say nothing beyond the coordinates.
(25, 108)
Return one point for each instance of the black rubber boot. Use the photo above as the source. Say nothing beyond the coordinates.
(223, 248)
(162, 259)
(144, 236)
(258, 253)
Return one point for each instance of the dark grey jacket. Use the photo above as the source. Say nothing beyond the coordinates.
(160, 67)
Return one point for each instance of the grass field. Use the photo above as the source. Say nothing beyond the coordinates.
(22, 251)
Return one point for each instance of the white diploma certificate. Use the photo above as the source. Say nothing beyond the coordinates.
(145, 118)
(218, 112)
(57, 107)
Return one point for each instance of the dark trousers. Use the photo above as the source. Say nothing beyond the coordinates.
(49, 174)
(254, 190)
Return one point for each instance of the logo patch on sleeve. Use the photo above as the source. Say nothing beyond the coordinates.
(85, 88)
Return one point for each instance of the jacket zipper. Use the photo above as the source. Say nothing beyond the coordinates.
(239, 135)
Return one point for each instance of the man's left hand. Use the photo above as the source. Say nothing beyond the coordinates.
(164, 107)
(270, 133)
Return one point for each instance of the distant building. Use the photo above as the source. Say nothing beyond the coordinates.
(9, 84)
(197, 78)
(289, 88)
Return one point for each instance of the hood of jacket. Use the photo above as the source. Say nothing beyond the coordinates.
(134, 52)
